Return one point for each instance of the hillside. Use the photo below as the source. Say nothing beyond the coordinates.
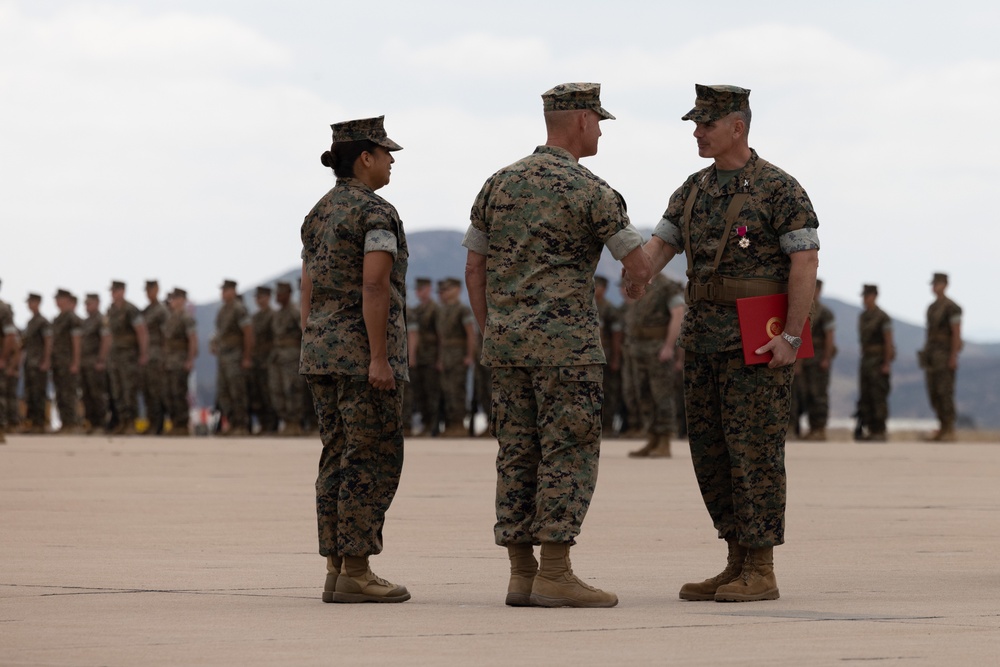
(438, 254)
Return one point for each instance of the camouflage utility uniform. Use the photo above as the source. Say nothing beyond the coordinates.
(287, 387)
(542, 244)
(361, 427)
(153, 374)
(259, 388)
(36, 380)
(123, 362)
(939, 375)
(812, 381)
(654, 379)
(177, 332)
(7, 330)
(425, 378)
(873, 401)
(232, 377)
(65, 327)
(609, 321)
(737, 415)
(94, 380)
(452, 323)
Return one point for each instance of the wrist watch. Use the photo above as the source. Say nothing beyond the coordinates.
(794, 341)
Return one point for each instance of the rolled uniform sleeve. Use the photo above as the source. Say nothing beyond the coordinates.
(380, 240)
(798, 240)
(477, 241)
(624, 242)
(670, 233)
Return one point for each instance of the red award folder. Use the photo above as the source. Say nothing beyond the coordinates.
(761, 319)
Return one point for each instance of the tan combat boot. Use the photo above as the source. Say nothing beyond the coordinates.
(333, 564)
(644, 451)
(555, 584)
(756, 581)
(662, 448)
(705, 590)
(357, 583)
(523, 568)
(816, 435)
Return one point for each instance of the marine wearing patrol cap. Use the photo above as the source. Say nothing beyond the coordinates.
(228, 284)
(181, 293)
(423, 282)
(150, 284)
(940, 278)
(263, 290)
(362, 129)
(117, 284)
(63, 293)
(715, 102)
(869, 289)
(34, 297)
(283, 286)
(572, 96)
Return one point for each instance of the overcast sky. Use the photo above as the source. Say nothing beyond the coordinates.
(180, 140)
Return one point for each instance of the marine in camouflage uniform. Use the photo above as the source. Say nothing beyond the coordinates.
(287, 386)
(258, 385)
(129, 353)
(874, 379)
(538, 228)
(180, 341)
(153, 374)
(811, 389)
(8, 341)
(748, 229)
(609, 321)
(457, 336)
(95, 345)
(354, 259)
(424, 347)
(234, 345)
(67, 332)
(36, 342)
(658, 315)
(632, 402)
(940, 357)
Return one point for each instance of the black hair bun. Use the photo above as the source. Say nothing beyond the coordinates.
(327, 159)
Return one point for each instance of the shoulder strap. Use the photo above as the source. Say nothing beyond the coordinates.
(688, 205)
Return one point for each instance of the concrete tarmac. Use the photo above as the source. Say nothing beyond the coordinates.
(202, 551)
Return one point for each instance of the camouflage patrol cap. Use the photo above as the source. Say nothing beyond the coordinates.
(571, 96)
(93, 296)
(33, 297)
(423, 282)
(283, 286)
(63, 292)
(117, 284)
(228, 284)
(179, 293)
(869, 289)
(263, 290)
(715, 102)
(450, 282)
(364, 128)
(940, 278)
(152, 283)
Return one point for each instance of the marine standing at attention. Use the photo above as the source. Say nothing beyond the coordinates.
(940, 357)
(354, 259)
(748, 229)
(537, 232)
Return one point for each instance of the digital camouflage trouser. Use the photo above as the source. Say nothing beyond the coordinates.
(873, 399)
(547, 420)
(940, 385)
(737, 418)
(362, 458)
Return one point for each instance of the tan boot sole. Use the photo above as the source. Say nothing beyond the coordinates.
(740, 597)
(518, 600)
(352, 598)
(545, 601)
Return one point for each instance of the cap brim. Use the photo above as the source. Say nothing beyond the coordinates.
(389, 144)
(604, 114)
(699, 115)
